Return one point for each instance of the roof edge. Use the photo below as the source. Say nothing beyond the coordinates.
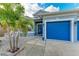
(59, 12)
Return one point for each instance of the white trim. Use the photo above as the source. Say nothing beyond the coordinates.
(61, 16)
(72, 31)
(58, 19)
(66, 19)
(45, 30)
(75, 31)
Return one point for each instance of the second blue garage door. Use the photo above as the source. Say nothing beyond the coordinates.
(78, 30)
(59, 30)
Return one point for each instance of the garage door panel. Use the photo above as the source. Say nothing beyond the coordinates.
(78, 30)
(58, 30)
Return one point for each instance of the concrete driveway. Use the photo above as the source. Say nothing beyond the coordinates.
(38, 47)
(35, 46)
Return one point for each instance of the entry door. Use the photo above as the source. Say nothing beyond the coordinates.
(40, 29)
(59, 30)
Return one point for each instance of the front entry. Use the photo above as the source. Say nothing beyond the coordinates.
(39, 29)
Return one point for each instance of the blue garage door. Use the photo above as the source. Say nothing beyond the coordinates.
(58, 30)
(78, 30)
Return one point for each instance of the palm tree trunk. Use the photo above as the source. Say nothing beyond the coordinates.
(14, 35)
(17, 40)
(10, 42)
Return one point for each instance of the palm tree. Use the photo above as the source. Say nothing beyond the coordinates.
(12, 20)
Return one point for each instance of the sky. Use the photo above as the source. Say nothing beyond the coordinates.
(31, 8)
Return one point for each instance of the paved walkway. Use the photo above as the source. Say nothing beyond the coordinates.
(35, 46)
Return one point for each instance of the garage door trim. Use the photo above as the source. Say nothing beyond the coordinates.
(71, 25)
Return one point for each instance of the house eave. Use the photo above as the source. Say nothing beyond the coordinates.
(60, 13)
